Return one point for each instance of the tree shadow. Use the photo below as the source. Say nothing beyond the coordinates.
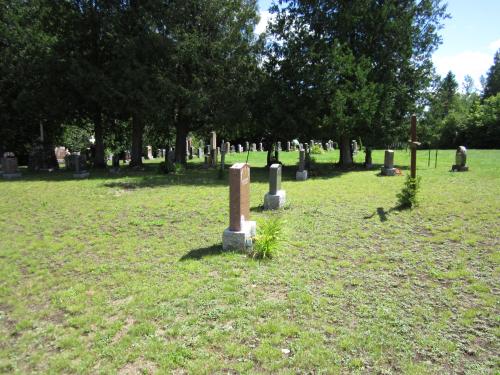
(202, 252)
(257, 208)
(383, 214)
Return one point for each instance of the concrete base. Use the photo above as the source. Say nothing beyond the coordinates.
(9, 176)
(459, 168)
(388, 171)
(81, 175)
(241, 240)
(274, 201)
(301, 176)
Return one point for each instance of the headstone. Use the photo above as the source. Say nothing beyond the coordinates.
(288, 146)
(213, 157)
(80, 166)
(61, 153)
(223, 155)
(279, 146)
(200, 152)
(213, 140)
(115, 163)
(150, 152)
(388, 168)
(233, 149)
(260, 147)
(354, 146)
(9, 166)
(276, 197)
(301, 174)
(240, 148)
(240, 232)
(227, 147)
(171, 156)
(247, 146)
(254, 147)
(460, 160)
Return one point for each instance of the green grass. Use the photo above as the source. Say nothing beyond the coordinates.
(125, 274)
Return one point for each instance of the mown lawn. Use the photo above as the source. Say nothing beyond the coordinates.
(125, 274)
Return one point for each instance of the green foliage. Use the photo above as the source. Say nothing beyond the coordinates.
(76, 138)
(407, 198)
(267, 241)
(317, 149)
(167, 166)
(492, 85)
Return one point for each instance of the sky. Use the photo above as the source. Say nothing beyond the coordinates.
(470, 37)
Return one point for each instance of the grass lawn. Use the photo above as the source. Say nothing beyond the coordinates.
(125, 274)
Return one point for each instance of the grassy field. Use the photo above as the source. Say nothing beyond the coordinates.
(125, 274)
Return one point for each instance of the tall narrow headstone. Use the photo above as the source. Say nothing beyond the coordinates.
(254, 147)
(288, 146)
(279, 146)
(301, 174)
(213, 140)
(260, 147)
(150, 152)
(388, 168)
(200, 152)
(247, 146)
(276, 197)
(238, 236)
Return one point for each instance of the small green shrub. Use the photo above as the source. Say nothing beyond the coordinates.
(168, 167)
(408, 196)
(317, 149)
(268, 239)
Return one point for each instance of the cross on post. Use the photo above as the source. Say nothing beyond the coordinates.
(413, 145)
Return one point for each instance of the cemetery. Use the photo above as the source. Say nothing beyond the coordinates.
(208, 187)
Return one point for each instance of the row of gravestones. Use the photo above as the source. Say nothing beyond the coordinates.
(78, 163)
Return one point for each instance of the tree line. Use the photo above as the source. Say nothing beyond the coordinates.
(135, 72)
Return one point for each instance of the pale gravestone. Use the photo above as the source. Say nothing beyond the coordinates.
(247, 146)
(150, 152)
(276, 197)
(240, 148)
(213, 140)
(200, 152)
(301, 174)
(9, 166)
(254, 147)
(260, 147)
(279, 146)
(388, 168)
(460, 160)
(233, 149)
(239, 234)
(288, 146)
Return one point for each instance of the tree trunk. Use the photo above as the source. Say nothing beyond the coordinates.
(345, 152)
(269, 146)
(136, 152)
(99, 161)
(180, 142)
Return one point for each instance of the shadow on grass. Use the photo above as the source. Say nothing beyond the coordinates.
(203, 252)
(383, 214)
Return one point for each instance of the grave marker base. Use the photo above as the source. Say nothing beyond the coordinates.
(388, 171)
(459, 168)
(9, 176)
(274, 201)
(301, 176)
(81, 175)
(240, 240)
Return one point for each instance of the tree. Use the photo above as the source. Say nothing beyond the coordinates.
(365, 63)
(213, 53)
(492, 82)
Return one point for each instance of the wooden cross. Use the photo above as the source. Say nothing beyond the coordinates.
(413, 145)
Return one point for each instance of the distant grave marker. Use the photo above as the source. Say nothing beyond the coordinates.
(276, 197)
